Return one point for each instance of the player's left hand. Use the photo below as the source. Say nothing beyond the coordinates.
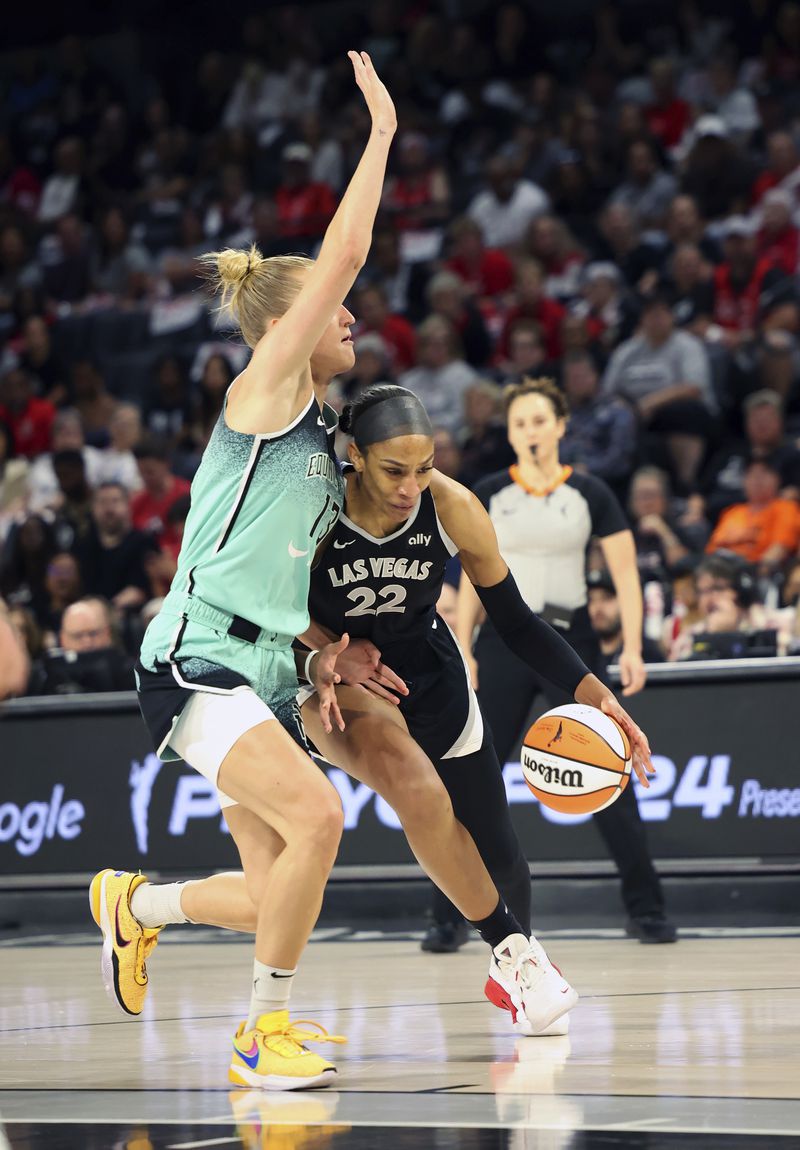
(324, 677)
(640, 748)
(361, 666)
(632, 674)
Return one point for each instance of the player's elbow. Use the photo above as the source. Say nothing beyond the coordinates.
(352, 253)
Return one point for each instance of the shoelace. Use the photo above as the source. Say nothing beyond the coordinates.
(537, 952)
(290, 1040)
(147, 945)
(531, 964)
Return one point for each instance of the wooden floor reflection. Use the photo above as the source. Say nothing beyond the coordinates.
(698, 1036)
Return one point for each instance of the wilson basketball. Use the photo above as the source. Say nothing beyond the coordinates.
(576, 759)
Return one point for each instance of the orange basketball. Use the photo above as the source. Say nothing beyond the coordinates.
(576, 759)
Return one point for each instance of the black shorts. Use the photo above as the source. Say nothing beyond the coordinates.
(164, 691)
(441, 709)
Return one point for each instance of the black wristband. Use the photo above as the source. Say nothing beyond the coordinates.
(534, 641)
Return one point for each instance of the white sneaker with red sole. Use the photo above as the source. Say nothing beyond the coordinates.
(523, 980)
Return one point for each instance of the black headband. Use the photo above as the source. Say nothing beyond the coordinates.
(391, 417)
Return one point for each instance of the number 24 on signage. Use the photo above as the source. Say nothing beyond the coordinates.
(711, 795)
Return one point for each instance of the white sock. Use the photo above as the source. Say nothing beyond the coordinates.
(272, 988)
(158, 905)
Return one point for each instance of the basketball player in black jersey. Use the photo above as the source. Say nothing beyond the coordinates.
(426, 752)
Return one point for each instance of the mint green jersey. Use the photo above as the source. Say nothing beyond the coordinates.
(260, 505)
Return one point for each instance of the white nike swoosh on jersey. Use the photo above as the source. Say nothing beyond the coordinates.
(295, 554)
(339, 546)
(321, 422)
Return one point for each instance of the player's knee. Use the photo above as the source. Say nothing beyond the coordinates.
(323, 823)
(422, 800)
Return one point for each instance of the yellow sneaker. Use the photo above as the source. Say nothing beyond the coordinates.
(126, 943)
(271, 1056)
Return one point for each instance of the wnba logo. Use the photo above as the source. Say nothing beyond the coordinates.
(557, 736)
(142, 779)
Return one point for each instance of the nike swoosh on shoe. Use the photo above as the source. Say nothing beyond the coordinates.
(120, 939)
(250, 1057)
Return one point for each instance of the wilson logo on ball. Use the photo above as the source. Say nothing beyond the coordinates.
(551, 774)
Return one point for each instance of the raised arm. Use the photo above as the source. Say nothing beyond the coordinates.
(345, 247)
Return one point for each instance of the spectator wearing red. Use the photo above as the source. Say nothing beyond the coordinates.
(30, 418)
(395, 331)
(782, 161)
(485, 272)
(532, 303)
(549, 241)
(778, 238)
(740, 279)
(668, 116)
(418, 196)
(305, 207)
(150, 507)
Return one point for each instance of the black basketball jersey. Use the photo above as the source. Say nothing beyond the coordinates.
(385, 589)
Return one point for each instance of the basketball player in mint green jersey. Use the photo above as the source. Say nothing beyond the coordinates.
(217, 676)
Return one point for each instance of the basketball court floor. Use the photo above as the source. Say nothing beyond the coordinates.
(693, 1045)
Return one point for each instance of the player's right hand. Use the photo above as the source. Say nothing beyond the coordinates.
(379, 102)
(324, 677)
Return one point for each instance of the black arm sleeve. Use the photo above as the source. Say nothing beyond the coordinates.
(529, 637)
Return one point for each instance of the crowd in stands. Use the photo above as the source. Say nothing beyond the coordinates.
(614, 204)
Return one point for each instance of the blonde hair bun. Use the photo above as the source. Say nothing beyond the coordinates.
(253, 288)
(233, 266)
